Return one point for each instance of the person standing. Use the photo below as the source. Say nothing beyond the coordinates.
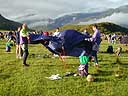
(24, 43)
(56, 32)
(18, 47)
(97, 40)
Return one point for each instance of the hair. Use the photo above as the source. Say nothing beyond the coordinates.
(19, 27)
(58, 28)
(95, 25)
(85, 28)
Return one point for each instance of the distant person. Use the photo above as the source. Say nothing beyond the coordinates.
(56, 32)
(11, 38)
(113, 38)
(109, 38)
(8, 47)
(18, 46)
(1, 36)
(46, 33)
(120, 38)
(24, 43)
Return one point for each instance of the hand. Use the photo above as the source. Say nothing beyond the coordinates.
(87, 39)
(28, 39)
(91, 39)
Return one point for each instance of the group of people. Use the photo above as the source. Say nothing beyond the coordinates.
(22, 39)
(112, 38)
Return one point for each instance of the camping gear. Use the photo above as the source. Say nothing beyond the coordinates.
(66, 43)
(110, 49)
(90, 78)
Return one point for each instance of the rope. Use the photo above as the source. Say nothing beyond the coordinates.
(61, 57)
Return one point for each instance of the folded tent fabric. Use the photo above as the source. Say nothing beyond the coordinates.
(72, 41)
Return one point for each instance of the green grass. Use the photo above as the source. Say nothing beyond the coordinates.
(17, 80)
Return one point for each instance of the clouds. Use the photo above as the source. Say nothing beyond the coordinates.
(117, 18)
(52, 8)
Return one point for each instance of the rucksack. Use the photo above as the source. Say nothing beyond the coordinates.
(110, 49)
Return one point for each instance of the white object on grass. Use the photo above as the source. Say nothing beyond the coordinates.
(54, 77)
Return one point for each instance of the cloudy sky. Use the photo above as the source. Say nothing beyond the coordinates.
(14, 9)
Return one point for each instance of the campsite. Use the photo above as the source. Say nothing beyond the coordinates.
(64, 48)
(18, 80)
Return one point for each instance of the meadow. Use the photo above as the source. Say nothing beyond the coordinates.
(18, 80)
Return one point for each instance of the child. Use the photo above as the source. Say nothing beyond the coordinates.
(83, 68)
(8, 47)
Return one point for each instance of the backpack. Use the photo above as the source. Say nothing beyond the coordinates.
(110, 49)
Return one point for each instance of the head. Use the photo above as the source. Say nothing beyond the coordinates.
(85, 30)
(19, 28)
(24, 26)
(46, 33)
(94, 27)
(10, 33)
(57, 29)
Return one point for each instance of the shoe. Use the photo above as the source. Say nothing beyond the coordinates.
(26, 65)
(20, 57)
(96, 65)
(17, 57)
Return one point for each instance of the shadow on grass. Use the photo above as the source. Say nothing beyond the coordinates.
(101, 79)
(2, 48)
(4, 76)
(124, 65)
(103, 73)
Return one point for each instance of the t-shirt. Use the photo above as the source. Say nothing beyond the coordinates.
(23, 32)
(84, 59)
(23, 36)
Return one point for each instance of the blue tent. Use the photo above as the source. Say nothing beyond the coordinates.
(66, 43)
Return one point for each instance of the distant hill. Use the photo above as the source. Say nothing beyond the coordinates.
(76, 18)
(6, 24)
(116, 15)
(105, 27)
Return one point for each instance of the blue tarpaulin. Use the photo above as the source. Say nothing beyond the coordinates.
(67, 43)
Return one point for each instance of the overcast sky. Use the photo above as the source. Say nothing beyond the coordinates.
(13, 9)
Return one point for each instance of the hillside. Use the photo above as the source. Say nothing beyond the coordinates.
(6, 24)
(115, 15)
(105, 27)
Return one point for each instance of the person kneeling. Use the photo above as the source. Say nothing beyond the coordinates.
(83, 68)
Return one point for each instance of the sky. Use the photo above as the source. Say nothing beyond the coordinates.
(16, 9)
(117, 18)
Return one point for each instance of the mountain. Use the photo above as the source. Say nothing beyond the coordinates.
(116, 15)
(38, 22)
(96, 17)
(6, 24)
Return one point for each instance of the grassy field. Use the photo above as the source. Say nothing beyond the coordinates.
(18, 80)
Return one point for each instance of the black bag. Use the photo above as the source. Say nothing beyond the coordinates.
(110, 49)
